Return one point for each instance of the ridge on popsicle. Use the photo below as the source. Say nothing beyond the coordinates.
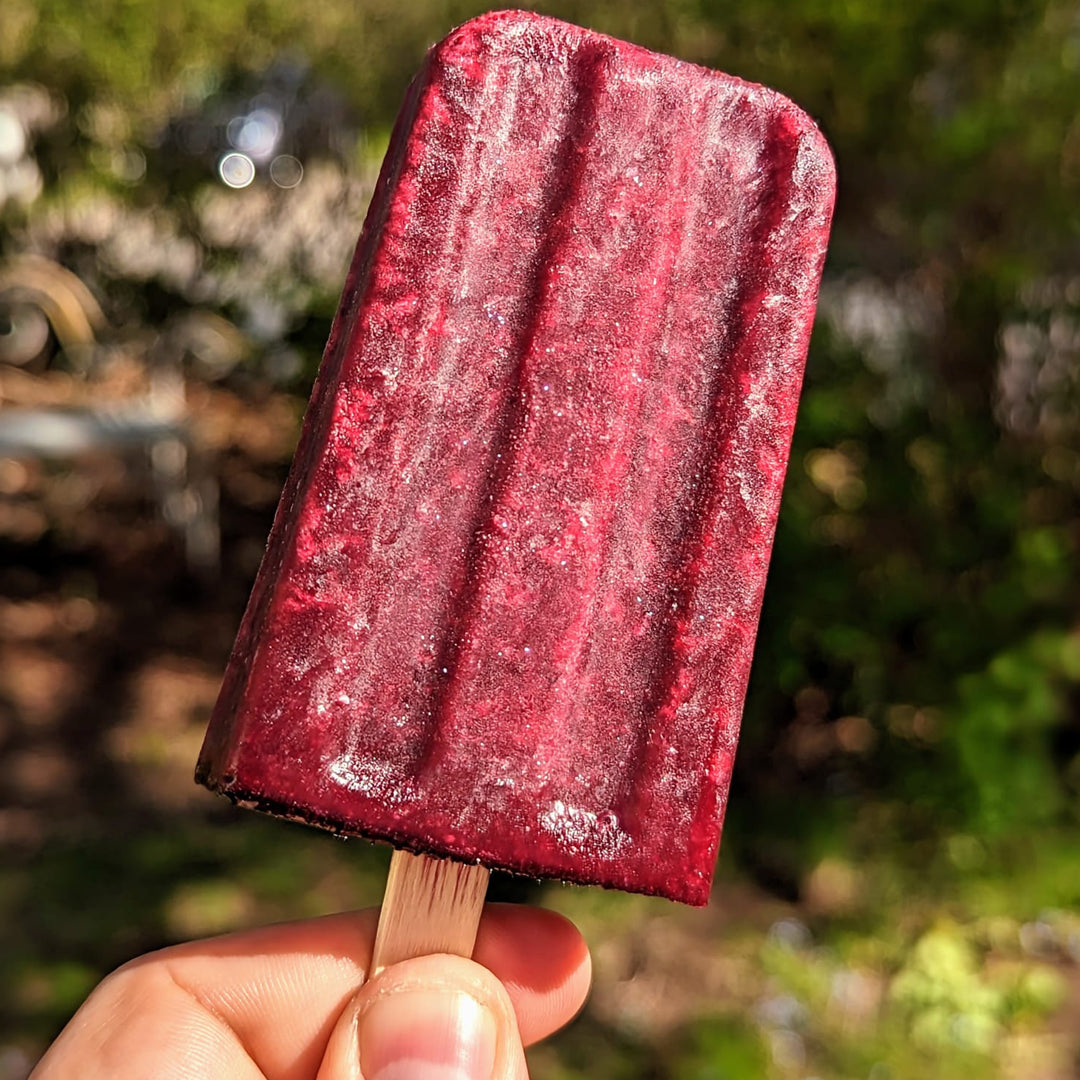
(508, 604)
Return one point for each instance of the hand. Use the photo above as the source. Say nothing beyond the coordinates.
(291, 1002)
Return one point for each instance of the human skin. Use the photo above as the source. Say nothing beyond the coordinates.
(293, 1002)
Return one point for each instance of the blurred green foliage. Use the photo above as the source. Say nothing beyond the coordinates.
(911, 746)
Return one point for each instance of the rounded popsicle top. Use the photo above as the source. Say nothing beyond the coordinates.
(531, 38)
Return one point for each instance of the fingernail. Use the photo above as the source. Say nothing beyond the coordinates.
(427, 1035)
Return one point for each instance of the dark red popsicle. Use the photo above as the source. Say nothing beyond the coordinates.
(508, 606)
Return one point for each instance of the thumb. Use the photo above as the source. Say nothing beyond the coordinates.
(431, 1018)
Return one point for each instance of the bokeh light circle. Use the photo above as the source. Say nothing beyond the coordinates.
(286, 171)
(236, 170)
(256, 134)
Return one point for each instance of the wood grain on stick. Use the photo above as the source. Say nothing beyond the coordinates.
(430, 906)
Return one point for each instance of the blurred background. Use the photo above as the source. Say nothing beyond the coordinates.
(181, 186)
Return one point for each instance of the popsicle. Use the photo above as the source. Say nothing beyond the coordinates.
(508, 605)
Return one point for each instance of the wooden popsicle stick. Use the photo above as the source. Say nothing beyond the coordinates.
(430, 906)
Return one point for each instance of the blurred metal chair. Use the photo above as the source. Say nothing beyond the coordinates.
(40, 300)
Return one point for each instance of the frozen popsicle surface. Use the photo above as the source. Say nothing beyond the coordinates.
(508, 606)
